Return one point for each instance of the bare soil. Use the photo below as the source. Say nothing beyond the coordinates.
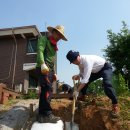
(90, 115)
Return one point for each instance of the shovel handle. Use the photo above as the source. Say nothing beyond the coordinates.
(74, 100)
(75, 88)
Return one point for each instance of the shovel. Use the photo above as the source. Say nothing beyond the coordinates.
(72, 125)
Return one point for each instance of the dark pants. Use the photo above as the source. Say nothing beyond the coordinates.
(46, 92)
(106, 74)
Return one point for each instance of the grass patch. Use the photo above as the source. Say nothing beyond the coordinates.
(124, 104)
(5, 107)
(31, 95)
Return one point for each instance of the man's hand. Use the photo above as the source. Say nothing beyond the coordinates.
(55, 77)
(76, 77)
(76, 94)
(44, 69)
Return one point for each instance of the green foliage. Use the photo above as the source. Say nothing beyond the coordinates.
(96, 87)
(118, 83)
(124, 112)
(118, 52)
(120, 86)
(31, 95)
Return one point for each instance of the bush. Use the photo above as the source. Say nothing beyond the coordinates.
(96, 87)
(118, 83)
(31, 95)
(120, 86)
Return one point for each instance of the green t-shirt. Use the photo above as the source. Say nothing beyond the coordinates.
(45, 53)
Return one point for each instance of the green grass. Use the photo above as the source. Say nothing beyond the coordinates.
(31, 95)
(124, 104)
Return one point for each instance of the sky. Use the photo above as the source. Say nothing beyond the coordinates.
(86, 23)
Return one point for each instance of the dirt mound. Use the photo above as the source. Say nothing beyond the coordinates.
(89, 116)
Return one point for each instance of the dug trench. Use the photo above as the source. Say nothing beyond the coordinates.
(88, 115)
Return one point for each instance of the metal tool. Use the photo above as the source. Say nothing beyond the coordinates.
(72, 125)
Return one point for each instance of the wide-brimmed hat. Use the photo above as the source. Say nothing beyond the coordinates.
(60, 29)
(72, 55)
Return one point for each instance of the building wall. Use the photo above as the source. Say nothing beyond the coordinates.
(21, 52)
(6, 65)
(7, 56)
(30, 58)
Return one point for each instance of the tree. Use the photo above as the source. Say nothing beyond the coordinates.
(118, 52)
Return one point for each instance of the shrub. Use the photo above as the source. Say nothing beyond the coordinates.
(31, 95)
(120, 86)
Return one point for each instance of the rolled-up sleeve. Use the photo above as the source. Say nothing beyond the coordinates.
(87, 69)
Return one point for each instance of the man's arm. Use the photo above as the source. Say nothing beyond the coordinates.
(40, 49)
(88, 65)
(40, 53)
(81, 85)
(86, 75)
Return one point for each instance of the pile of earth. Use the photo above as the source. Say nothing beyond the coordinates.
(92, 114)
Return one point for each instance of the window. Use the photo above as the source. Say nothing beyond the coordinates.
(32, 45)
(33, 83)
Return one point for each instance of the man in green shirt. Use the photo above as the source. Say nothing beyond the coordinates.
(46, 53)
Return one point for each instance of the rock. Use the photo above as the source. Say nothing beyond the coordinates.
(14, 119)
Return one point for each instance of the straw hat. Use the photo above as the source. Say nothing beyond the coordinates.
(60, 29)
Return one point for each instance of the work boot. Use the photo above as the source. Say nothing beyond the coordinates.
(115, 111)
(49, 119)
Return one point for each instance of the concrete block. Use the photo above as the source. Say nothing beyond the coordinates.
(48, 126)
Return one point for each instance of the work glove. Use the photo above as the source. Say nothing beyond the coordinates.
(76, 94)
(44, 69)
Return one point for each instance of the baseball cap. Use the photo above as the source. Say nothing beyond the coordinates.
(72, 55)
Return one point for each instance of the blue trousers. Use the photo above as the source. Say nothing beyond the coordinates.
(45, 82)
(106, 74)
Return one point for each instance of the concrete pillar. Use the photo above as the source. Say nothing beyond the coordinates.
(26, 83)
(54, 86)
